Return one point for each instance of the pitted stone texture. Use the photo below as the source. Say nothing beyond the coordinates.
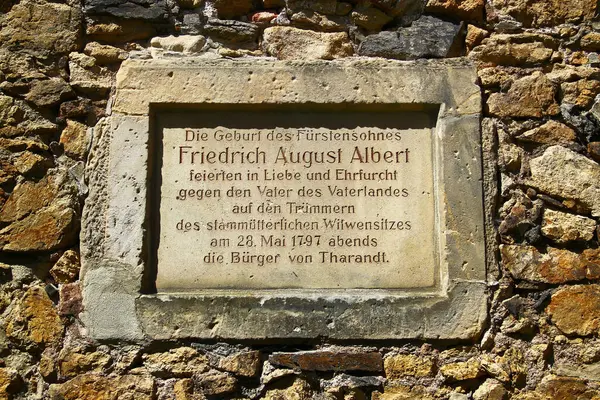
(563, 228)
(554, 266)
(552, 132)
(564, 173)
(245, 363)
(402, 365)
(470, 10)
(34, 320)
(179, 362)
(531, 96)
(66, 268)
(42, 28)
(287, 43)
(575, 310)
(427, 37)
(87, 78)
(547, 13)
(97, 387)
(75, 140)
(515, 50)
(186, 44)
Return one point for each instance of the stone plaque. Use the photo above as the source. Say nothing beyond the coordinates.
(301, 200)
(257, 200)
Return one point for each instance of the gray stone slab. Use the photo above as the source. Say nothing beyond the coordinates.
(119, 227)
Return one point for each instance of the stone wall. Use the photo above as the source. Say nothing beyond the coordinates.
(539, 71)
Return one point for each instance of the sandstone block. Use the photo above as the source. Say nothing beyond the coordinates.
(112, 30)
(563, 228)
(581, 93)
(515, 50)
(34, 320)
(32, 164)
(66, 269)
(244, 364)
(427, 37)
(402, 392)
(575, 310)
(460, 371)
(73, 362)
(232, 32)
(71, 301)
(299, 390)
(564, 173)
(547, 12)
(552, 132)
(186, 44)
(287, 43)
(402, 365)
(554, 266)
(490, 390)
(49, 92)
(179, 362)
(104, 54)
(591, 41)
(42, 28)
(469, 10)
(329, 360)
(531, 96)
(74, 140)
(9, 383)
(96, 387)
(312, 20)
(88, 78)
(475, 36)
(370, 18)
(216, 383)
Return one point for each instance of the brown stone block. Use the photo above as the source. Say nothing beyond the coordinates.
(329, 360)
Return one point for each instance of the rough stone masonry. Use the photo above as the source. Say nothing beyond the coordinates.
(538, 68)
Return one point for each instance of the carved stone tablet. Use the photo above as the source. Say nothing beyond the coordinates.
(257, 200)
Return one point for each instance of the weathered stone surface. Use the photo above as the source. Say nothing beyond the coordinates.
(552, 132)
(515, 50)
(228, 9)
(329, 360)
(369, 18)
(313, 20)
(88, 78)
(96, 387)
(156, 10)
(575, 310)
(547, 13)
(427, 37)
(71, 301)
(49, 92)
(75, 140)
(29, 197)
(490, 390)
(34, 320)
(73, 362)
(554, 266)
(564, 173)
(41, 28)
(104, 54)
(402, 392)
(461, 371)
(32, 164)
(531, 96)
(179, 362)
(475, 36)
(402, 365)
(287, 43)
(563, 228)
(560, 388)
(66, 269)
(9, 383)
(263, 17)
(245, 364)
(590, 41)
(18, 115)
(231, 32)
(470, 10)
(187, 44)
(321, 6)
(111, 30)
(581, 93)
(299, 390)
(216, 383)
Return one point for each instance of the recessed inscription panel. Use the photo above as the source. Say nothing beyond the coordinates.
(297, 201)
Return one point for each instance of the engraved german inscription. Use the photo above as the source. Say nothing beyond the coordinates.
(295, 206)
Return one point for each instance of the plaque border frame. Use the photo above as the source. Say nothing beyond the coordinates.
(116, 245)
